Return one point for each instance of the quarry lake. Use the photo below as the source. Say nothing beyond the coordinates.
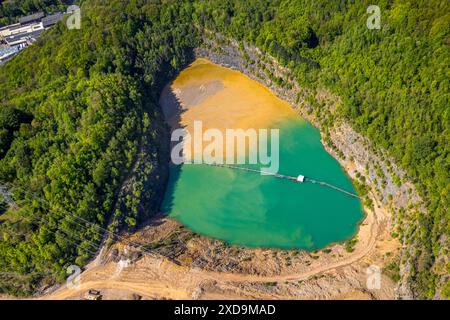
(246, 208)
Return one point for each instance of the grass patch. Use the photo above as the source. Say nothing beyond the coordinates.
(350, 245)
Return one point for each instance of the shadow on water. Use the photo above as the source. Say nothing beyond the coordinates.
(152, 92)
(168, 201)
(172, 110)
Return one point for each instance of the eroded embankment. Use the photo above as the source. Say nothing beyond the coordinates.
(185, 265)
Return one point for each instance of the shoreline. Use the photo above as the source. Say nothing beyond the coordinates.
(318, 277)
(208, 92)
(371, 232)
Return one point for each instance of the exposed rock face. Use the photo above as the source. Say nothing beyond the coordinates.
(388, 183)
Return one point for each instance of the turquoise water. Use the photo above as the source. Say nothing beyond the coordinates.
(248, 209)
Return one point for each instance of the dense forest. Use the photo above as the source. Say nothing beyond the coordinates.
(79, 107)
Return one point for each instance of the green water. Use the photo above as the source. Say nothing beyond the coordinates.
(248, 209)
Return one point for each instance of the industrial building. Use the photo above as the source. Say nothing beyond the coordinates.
(15, 37)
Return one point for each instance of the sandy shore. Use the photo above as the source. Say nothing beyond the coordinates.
(202, 96)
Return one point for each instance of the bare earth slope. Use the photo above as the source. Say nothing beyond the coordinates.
(208, 269)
